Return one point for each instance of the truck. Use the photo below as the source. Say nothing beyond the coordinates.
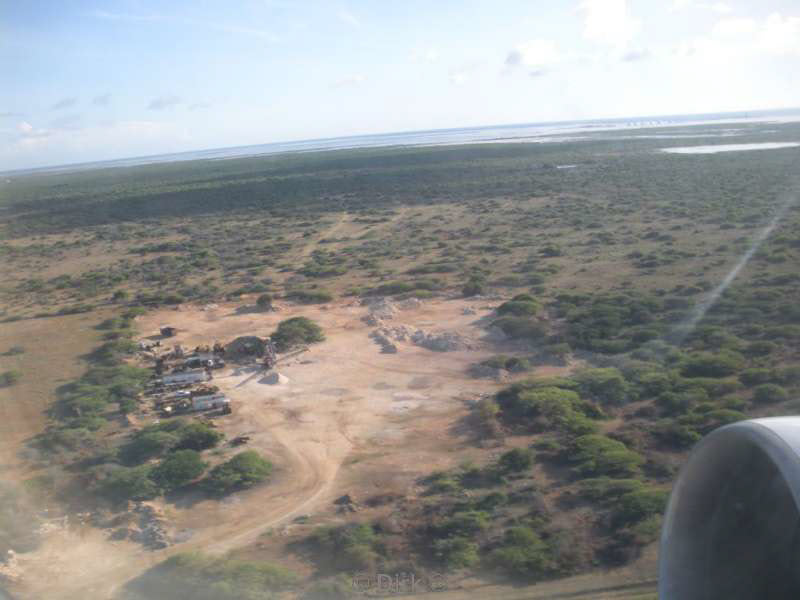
(181, 380)
(197, 404)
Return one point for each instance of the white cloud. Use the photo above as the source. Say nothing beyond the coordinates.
(718, 7)
(608, 22)
(163, 102)
(536, 55)
(635, 55)
(64, 103)
(28, 132)
(345, 16)
(427, 55)
(737, 38)
(781, 35)
(38, 147)
(734, 27)
(351, 81)
(459, 78)
(156, 18)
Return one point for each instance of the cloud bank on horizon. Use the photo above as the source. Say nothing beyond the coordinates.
(86, 80)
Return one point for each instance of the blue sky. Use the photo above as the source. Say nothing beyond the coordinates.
(98, 80)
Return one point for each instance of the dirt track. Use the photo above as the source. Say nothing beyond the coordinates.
(350, 420)
(344, 398)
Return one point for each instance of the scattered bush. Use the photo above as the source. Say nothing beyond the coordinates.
(522, 305)
(204, 577)
(456, 552)
(9, 378)
(770, 393)
(349, 547)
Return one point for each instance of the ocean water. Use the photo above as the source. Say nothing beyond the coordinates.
(551, 132)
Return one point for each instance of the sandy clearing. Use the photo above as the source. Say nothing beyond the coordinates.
(344, 398)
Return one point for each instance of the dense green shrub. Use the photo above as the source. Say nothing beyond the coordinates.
(9, 378)
(522, 305)
(474, 287)
(349, 547)
(712, 365)
(198, 436)
(755, 376)
(244, 470)
(607, 386)
(456, 552)
(178, 469)
(606, 489)
(546, 408)
(597, 455)
(296, 331)
(124, 483)
(520, 328)
(205, 577)
(516, 459)
(638, 505)
(769, 393)
(314, 296)
(466, 523)
(264, 302)
(522, 554)
(148, 443)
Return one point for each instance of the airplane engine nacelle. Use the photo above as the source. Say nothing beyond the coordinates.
(731, 527)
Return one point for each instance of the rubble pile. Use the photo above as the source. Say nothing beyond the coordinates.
(152, 527)
(346, 504)
(10, 570)
(446, 341)
(275, 378)
(486, 371)
(386, 344)
(380, 309)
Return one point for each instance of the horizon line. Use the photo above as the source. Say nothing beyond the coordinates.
(99, 163)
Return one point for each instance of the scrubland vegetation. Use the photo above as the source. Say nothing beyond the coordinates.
(597, 266)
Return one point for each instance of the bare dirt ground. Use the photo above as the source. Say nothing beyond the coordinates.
(350, 419)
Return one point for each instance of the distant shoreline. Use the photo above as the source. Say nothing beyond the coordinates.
(540, 132)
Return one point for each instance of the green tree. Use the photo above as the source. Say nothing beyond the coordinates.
(517, 459)
(295, 331)
(264, 302)
(125, 483)
(198, 436)
(147, 444)
(177, 469)
(244, 470)
(523, 554)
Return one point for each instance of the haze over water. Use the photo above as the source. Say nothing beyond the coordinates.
(550, 132)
